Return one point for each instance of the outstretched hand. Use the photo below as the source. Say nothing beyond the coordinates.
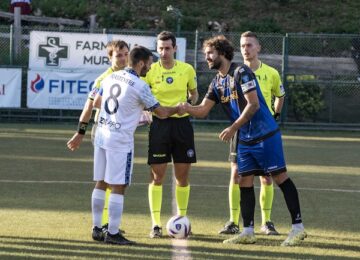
(227, 134)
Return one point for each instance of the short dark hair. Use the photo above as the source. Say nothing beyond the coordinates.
(250, 34)
(166, 35)
(139, 53)
(222, 45)
(112, 45)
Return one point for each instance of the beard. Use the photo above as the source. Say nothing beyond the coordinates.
(143, 71)
(216, 64)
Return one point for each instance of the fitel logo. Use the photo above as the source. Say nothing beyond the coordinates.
(53, 51)
(37, 84)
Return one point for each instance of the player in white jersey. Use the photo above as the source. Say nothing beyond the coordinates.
(122, 98)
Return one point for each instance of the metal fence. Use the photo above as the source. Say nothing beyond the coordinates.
(320, 73)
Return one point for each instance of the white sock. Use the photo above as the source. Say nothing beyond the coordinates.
(116, 205)
(97, 206)
(298, 226)
(248, 230)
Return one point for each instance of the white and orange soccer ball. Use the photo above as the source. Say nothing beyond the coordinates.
(178, 227)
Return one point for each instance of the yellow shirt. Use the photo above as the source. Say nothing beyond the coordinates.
(270, 83)
(96, 87)
(171, 86)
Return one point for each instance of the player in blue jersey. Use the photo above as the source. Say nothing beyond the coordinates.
(259, 150)
(274, 95)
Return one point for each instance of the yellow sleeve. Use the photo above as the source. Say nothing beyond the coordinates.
(277, 88)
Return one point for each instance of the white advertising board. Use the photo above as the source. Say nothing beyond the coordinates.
(57, 89)
(10, 88)
(83, 51)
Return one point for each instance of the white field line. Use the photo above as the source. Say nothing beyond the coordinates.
(192, 185)
(201, 163)
(180, 250)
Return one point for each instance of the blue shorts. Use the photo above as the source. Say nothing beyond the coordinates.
(264, 158)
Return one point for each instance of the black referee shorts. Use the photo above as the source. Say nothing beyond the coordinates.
(171, 138)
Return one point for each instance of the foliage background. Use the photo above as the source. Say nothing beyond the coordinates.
(322, 16)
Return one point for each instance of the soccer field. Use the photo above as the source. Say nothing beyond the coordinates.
(46, 189)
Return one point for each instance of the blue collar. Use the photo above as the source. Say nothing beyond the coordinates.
(131, 71)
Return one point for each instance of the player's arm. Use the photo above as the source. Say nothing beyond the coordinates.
(199, 111)
(84, 119)
(249, 111)
(278, 104)
(193, 94)
(151, 104)
(279, 92)
(97, 101)
(165, 112)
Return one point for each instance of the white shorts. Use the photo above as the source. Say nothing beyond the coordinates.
(113, 167)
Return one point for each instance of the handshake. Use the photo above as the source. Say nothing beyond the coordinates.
(183, 108)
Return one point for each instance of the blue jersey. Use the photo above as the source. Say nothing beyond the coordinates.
(229, 92)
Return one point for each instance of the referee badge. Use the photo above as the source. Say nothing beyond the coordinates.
(169, 80)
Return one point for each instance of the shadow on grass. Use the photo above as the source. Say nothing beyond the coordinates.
(60, 248)
(77, 248)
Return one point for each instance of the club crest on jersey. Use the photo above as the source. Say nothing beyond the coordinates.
(169, 80)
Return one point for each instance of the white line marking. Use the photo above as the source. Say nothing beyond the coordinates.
(192, 185)
(180, 250)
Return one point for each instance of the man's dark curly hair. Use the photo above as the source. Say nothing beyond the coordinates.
(222, 45)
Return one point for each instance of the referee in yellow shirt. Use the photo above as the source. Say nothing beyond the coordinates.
(172, 139)
(271, 88)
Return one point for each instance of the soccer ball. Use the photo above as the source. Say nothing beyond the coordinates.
(178, 227)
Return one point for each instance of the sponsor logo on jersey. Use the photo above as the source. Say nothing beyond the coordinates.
(112, 125)
(159, 155)
(226, 99)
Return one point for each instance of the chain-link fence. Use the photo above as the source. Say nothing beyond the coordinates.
(320, 73)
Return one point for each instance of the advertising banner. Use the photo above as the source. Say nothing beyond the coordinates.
(83, 51)
(10, 88)
(57, 89)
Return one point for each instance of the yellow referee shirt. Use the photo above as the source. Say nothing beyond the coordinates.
(96, 87)
(270, 83)
(171, 86)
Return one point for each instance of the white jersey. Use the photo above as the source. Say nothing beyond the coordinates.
(124, 96)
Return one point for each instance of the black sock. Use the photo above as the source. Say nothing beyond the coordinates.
(292, 200)
(247, 204)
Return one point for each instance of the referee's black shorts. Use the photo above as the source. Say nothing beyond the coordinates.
(171, 138)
